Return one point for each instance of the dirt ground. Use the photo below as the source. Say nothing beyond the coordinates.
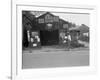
(48, 57)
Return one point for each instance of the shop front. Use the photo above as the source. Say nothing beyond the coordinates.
(49, 37)
(50, 30)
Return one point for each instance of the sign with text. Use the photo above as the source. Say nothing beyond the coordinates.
(48, 19)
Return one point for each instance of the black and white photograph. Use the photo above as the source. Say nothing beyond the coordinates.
(52, 39)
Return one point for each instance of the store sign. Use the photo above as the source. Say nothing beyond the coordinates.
(49, 19)
(49, 26)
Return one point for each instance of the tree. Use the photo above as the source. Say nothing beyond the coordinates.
(27, 24)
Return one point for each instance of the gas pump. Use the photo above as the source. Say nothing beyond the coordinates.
(34, 40)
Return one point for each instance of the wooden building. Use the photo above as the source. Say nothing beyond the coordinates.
(48, 29)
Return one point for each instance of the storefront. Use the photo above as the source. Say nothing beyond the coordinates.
(50, 30)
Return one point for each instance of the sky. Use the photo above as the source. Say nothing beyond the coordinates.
(78, 19)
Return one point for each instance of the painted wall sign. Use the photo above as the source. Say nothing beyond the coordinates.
(48, 19)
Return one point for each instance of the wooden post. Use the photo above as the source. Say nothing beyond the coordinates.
(68, 42)
(68, 32)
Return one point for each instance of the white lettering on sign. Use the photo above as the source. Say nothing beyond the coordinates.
(49, 26)
(48, 18)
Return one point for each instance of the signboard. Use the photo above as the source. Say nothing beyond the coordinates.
(49, 19)
(49, 26)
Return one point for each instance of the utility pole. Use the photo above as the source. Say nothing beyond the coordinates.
(67, 33)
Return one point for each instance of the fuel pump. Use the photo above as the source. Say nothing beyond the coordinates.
(34, 40)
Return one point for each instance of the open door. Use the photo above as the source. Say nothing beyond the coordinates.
(49, 37)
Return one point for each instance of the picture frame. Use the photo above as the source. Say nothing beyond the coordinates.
(16, 61)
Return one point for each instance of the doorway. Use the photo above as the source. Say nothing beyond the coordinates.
(49, 37)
